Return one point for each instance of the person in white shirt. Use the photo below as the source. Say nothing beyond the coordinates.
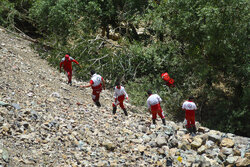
(189, 107)
(97, 83)
(154, 106)
(120, 95)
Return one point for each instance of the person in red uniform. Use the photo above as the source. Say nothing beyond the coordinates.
(120, 95)
(67, 66)
(154, 106)
(189, 107)
(97, 83)
(169, 81)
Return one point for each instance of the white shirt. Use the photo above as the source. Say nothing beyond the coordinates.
(153, 100)
(120, 92)
(189, 105)
(97, 79)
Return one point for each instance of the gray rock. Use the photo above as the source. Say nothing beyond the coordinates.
(161, 141)
(231, 159)
(16, 106)
(227, 151)
(214, 138)
(5, 155)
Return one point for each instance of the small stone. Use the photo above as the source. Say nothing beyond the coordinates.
(202, 149)
(5, 155)
(227, 151)
(214, 138)
(226, 142)
(109, 145)
(231, 159)
(16, 106)
(141, 148)
(160, 141)
(197, 142)
(243, 162)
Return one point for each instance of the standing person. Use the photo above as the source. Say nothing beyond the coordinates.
(67, 66)
(97, 83)
(189, 107)
(120, 95)
(169, 81)
(154, 106)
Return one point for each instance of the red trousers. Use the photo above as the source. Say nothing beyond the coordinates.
(120, 101)
(190, 118)
(156, 109)
(96, 94)
(69, 73)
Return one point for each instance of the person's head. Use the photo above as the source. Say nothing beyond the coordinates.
(67, 57)
(149, 92)
(118, 84)
(191, 98)
(92, 72)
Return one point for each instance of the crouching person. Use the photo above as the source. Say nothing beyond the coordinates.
(120, 95)
(189, 107)
(154, 106)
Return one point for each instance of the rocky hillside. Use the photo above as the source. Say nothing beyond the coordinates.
(45, 122)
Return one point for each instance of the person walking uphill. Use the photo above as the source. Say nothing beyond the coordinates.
(154, 106)
(67, 66)
(189, 107)
(97, 83)
(120, 95)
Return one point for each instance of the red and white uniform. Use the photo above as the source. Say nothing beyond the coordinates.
(67, 66)
(153, 103)
(190, 108)
(120, 95)
(96, 84)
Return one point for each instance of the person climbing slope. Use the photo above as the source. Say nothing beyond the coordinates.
(169, 81)
(67, 66)
(189, 107)
(97, 83)
(154, 106)
(120, 95)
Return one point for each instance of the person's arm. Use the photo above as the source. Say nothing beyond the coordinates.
(89, 85)
(61, 66)
(183, 107)
(125, 93)
(149, 109)
(76, 63)
(103, 82)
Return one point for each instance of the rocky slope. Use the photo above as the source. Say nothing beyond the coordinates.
(50, 123)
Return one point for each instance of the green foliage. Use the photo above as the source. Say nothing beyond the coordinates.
(7, 13)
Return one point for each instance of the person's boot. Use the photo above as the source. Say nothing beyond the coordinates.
(125, 111)
(194, 129)
(189, 129)
(98, 104)
(114, 110)
(154, 121)
(163, 121)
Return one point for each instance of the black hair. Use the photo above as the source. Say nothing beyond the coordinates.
(191, 98)
(149, 92)
(92, 72)
(117, 83)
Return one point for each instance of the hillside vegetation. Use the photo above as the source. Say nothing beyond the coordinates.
(202, 44)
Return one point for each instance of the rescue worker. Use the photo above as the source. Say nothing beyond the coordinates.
(169, 81)
(154, 106)
(189, 107)
(67, 66)
(120, 95)
(97, 83)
